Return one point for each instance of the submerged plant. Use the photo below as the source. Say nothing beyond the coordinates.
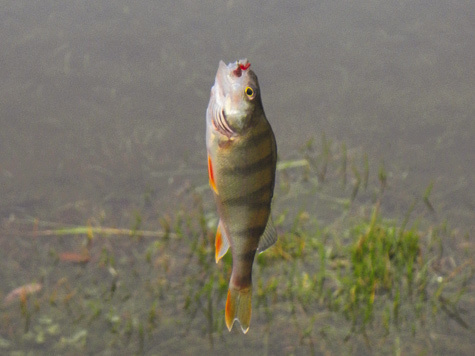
(340, 276)
(383, 260)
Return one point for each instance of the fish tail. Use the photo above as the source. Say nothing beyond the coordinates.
(238, 307)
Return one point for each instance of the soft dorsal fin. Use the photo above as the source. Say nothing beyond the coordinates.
(269, 237)
(221, 242)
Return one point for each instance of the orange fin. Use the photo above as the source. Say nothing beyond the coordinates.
(238, 307)
(211, 175)
(221, 243)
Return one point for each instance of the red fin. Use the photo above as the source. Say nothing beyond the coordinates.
(238, 307)
(211, 175)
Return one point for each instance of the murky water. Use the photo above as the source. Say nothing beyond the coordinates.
(102, 103)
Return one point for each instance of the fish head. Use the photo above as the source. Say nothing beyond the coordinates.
(235, 98)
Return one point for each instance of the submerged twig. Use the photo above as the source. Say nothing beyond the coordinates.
(282, 165)
(80, 230)
(22, 292)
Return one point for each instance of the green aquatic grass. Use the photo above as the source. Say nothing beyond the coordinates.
(353, 280)
(380, 279)
(383, 260)
(372, 274)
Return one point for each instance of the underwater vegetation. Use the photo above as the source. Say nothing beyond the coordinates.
(343, 277)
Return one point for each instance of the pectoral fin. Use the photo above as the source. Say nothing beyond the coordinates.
(221, 243)
(212, 183)
(269, 237)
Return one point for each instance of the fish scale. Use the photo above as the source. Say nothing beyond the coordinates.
(242, 156)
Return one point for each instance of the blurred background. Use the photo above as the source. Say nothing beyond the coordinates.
(102, 123)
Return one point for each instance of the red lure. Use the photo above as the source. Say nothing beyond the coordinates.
(244, 66)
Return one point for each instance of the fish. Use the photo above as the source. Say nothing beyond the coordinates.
(242, 156)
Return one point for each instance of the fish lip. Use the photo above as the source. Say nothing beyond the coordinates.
(229, 73)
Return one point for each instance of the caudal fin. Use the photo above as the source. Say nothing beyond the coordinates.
(238, 307)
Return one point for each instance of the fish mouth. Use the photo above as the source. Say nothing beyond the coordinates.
(241, 65)
(227, 78)
(228, 74)
(221, 124)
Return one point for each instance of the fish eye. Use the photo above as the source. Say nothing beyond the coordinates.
(249, 92)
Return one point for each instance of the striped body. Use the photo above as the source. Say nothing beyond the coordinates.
(241, 161)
